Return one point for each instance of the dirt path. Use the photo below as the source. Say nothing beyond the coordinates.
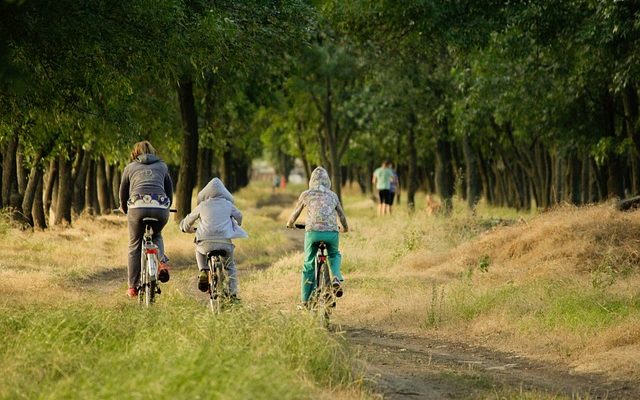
(409, 367)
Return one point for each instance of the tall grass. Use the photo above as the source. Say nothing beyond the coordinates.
(176, 350)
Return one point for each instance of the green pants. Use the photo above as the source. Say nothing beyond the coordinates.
(311, 241)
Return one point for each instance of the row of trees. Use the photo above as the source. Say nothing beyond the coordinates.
(525, 104)
(80, 82)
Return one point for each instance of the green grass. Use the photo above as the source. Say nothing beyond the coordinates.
(174, 350)
(540, 306)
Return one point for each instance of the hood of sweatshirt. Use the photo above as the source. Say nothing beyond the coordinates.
(214, 189)
(320, 180)
(147, 158)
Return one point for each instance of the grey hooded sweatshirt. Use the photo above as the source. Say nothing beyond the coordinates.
(147, 175)
(219, 217)
(323, 205)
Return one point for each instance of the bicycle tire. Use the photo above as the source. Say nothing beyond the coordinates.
(326, 294)
(142, 280)
(215, 284)
(149, 286)
(321, 300)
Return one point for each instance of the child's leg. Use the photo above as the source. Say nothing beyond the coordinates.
(332, 239)
(310, 249)
(201, 259)
(232, 271)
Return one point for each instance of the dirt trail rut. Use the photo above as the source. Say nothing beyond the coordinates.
(409, 367)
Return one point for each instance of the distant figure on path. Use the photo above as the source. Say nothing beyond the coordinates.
(393, 187)
(382, 180)
(276, 183)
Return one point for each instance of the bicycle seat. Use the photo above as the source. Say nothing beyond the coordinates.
(214, 253)
(149, 219)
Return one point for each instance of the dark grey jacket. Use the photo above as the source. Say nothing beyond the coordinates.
(147, 175)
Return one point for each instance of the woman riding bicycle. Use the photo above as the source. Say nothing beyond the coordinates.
(146, 191)
(323, 211)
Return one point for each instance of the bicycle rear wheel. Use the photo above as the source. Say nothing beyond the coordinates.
(148, 287)
(215, 285)
(324, 295)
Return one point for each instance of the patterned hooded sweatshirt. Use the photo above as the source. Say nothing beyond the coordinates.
(220, 220)
(323, 205)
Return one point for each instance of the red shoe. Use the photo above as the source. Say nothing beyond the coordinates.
(163, 272)
(132, 292)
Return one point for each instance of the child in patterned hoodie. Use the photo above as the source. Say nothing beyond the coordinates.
(220, 222)
(323, 211)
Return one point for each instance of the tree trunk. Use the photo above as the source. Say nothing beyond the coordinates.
(52, 178)
(226, 171)
(79, 185)
(412, 173)
(576, 179)
(205, 167)
(472, 174)
(336, 173)
(558, 178)
(9, 171)
(111, 171)
(189, 151)
(302, 148)
(65, 192)
(35, 179)
(21, 171)
(37, 208)
(90, 195)
(615, 181)
(444, 173)
(115, 188)
(103, 191)
(631, 111)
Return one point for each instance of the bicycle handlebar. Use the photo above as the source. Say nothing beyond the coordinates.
(119, 211)
(303, 226)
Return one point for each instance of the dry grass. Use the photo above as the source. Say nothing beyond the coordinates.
(65, 282)
(559, 286)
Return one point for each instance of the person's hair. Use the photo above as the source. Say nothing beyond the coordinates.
(386, 163)
(143, 147)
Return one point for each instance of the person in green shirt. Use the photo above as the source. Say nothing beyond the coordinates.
(382, 178)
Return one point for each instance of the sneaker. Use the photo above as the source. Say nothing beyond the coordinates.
(132, 292)
(304, 306)
(203, 280)
(163, 272)
(337, 287)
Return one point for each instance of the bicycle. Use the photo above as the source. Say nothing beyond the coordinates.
(218, 289)
(322, 300)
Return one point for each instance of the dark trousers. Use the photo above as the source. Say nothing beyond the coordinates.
(136, 230)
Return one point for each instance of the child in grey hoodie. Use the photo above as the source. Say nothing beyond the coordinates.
(220, 222)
